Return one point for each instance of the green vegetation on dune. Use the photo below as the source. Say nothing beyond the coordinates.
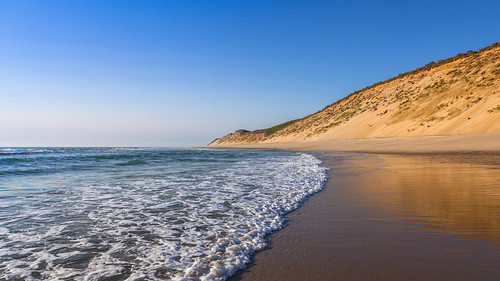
(280, 126)
(346, 114)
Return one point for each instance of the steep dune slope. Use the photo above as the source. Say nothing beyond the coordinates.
(459, 95)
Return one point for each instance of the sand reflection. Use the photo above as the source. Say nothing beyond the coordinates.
(456, 194)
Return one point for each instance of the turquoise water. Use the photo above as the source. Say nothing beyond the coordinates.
(132, 213)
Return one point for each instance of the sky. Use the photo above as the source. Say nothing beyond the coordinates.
(182, 73)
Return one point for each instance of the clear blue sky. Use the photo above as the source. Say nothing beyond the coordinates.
(181, 73)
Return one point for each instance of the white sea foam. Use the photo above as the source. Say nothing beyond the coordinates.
(4, 231)
(193, 226)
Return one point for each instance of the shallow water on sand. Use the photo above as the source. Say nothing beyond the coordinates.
(132, 213)
(456, 194)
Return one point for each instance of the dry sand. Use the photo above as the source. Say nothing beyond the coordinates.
(393, 216)
(426, 144)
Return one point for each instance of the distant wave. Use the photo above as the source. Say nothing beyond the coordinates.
(133, 162)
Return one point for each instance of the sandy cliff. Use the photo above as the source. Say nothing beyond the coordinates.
(456, 96)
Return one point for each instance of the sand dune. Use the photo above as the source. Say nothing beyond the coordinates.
(457, 96)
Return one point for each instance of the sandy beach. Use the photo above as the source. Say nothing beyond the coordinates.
(424, 144)
(429, 214)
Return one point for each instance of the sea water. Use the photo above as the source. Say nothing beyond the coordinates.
(141, 213)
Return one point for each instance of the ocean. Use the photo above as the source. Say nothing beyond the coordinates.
(144, 213)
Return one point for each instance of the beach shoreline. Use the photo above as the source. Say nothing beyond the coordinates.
(488, 143)
(361, 226)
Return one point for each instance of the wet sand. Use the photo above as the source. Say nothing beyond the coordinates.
(392, 217)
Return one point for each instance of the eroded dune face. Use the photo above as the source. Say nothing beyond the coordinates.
(460, 95)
